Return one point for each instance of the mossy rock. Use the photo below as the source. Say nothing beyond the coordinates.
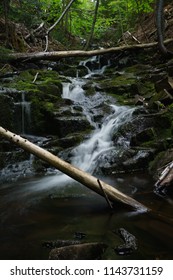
(120, 85)
(160, 161)
(145, 135)
(44, 95)
(146, 89)
(163, 98)
(6, 111)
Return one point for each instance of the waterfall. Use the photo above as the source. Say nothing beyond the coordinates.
(26, 114)
(93, 66)
(22, 115)
(85, 156)
(73, 90)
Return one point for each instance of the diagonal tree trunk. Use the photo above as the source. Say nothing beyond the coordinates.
(82, 177)
(57, 22)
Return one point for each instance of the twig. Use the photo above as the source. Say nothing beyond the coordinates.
(105, 195)
(35, 78)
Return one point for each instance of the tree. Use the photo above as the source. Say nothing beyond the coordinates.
(6, 8)
(160, 23)
(93, 25)
(57, 22)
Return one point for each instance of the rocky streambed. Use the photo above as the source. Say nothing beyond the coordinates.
(109, 116)
(31, 104)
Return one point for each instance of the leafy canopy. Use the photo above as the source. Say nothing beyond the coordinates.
(114, 16)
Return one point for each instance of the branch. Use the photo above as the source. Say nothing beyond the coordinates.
(56, 55)
(77, 174)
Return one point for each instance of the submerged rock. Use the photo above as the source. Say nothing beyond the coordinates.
(130, 244)
(86, 251)
(59, 243)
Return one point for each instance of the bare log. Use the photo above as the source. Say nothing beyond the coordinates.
(84, 178)
(56, 55)
(166, 177)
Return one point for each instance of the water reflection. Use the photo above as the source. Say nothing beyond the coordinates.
(29, 218)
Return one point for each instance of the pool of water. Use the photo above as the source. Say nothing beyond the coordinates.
(31, 215)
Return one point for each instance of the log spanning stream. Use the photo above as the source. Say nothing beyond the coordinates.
(34, 209)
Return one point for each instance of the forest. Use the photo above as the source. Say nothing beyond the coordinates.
(86, 102)
(84, 22)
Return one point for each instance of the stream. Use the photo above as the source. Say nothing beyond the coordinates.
(54, 207)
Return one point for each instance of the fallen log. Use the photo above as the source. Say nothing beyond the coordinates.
(84, 178)
(56, 55)
(166, 177)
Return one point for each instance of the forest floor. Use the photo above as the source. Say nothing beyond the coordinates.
(145, 30)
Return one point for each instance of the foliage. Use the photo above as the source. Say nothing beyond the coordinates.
(113, 19)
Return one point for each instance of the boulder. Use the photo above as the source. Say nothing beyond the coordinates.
(143, 136)
(85, 251)
(130, 244)
(6, 111)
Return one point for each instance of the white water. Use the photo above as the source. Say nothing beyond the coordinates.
(26, 113)
(86, 154)
(95, 60)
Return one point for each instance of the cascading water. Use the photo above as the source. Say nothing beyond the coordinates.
(23, 108)
(26, 113)
(94, 67)
(55, 207)
(85, 156)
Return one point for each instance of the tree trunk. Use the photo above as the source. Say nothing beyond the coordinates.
(56, 23)
(93, 25)
(74, 172)
(56, 55)
(160, 24)
(6, 7)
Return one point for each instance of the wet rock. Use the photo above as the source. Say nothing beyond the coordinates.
(86, 251)
(160, 162)
(63, 126)
(82, 70)
(145, 135)
(140, 160)
(161, 99)
(163, 84)
(6, 111)
(126, 160)
(112, 161)
(79, 235)
(51, 244)
(130, 244)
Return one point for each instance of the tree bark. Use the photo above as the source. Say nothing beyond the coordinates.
(166, 177)
(56, 55)
(82, 177)
(57, 22)
(93, 25)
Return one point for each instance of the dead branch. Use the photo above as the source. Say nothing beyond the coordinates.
(56, 55)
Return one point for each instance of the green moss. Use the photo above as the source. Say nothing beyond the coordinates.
(155, 164)
(146, 89)
(49, 106)
(4, 54)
